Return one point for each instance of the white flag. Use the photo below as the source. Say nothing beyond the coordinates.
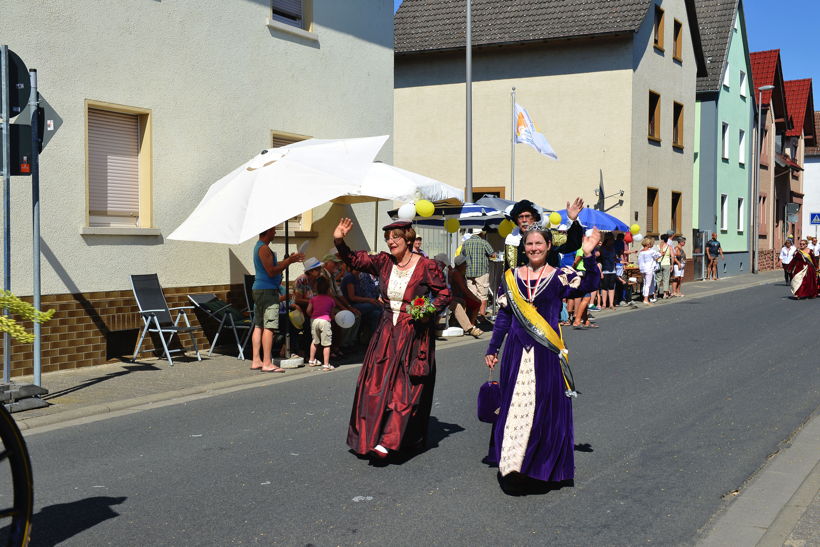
(527, 133)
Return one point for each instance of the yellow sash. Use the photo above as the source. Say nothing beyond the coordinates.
(538, 328)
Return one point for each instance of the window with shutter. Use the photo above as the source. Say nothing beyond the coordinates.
(290, 12)
(303, 221)
(113, 168)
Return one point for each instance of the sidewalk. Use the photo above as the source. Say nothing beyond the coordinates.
(779, 506)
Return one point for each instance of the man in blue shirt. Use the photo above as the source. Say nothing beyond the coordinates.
(266, 299)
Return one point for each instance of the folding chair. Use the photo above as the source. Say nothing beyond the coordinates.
(227, 316)
(156, 315)
(248, 286)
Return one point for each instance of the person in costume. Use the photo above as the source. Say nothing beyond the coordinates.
(803, 271)
(533, 434)
(394, 392)
(527, 217)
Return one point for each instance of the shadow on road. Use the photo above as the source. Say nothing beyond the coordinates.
(516, 484)
(57, 523)
(583, 447)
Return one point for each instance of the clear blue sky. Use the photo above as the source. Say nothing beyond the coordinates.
(791, 26)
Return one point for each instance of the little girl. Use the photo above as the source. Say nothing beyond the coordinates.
(647, 259)
(319, 309)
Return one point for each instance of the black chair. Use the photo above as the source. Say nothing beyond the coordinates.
(156, 315)
(227, 316)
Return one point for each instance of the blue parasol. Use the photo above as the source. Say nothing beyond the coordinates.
(592, 218)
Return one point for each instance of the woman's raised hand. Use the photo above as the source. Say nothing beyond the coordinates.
(591, 242)
(343, 228)
(491, 360)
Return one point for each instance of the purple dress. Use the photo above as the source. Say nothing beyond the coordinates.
(533, 434)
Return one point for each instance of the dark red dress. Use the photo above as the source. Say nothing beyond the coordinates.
(803, 269)
(394, 393)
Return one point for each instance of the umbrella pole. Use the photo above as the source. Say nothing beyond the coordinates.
(287, 362)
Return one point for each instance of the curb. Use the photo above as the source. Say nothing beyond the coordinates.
(774, 499)
(41, 424)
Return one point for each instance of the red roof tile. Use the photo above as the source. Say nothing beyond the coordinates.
(764, 66)
(798, 93)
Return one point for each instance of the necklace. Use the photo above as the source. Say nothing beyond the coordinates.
(406, 263)
(531, 292)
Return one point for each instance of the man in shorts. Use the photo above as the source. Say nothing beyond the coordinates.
(266, 295)
(713, 253)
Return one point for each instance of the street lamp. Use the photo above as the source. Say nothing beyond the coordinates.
(756, 179)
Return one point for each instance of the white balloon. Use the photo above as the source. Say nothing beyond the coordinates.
(345, 319)
(637, 238)
(407, 211)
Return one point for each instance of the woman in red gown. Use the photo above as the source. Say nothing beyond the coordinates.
(394, 393)
(803, 270)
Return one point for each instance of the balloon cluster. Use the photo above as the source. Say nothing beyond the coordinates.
(634, 234)
(423, 208)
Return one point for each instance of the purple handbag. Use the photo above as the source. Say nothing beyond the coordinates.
(489, 401)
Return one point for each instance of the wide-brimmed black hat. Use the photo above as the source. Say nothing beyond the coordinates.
(523, 206)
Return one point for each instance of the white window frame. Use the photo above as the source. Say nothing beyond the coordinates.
(727, 76)
(741, 214)
(744, 84)
(724, 212)
(725, 141)
(741, 147)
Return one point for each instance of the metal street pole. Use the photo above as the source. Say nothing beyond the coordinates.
(512, 147)
(468, 193)
(34, 103)
(4, 76)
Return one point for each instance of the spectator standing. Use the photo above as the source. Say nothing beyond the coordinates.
(665, 270)
(679, 266)
(320, 309)
(647, 262)
(786, 256)
(465, 304)
(607, 256)
(581, 304)
(478, 251)
(713, 252)
(417, 247)
(266, 299)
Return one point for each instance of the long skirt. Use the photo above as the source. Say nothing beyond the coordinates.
(533, 434)
(391, 408)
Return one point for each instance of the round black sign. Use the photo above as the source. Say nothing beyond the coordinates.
(19, 84)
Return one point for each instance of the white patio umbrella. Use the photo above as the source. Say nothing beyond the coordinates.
(276, 185)
(388, 182)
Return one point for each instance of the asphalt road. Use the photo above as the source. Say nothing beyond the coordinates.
(680, 405)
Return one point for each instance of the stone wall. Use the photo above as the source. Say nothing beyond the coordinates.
(93, 328)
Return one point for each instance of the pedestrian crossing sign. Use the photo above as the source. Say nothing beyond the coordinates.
(815, 218)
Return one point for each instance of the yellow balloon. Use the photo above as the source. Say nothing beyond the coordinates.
(425, 208)
(505, 227)
(555, 218)
(635, 229)
(452, 225)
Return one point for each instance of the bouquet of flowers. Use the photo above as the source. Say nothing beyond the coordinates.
(421, 307)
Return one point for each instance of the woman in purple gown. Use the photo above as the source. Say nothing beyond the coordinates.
(533, 435)
(394, 393)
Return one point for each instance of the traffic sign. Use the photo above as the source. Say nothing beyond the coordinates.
(814, 218)
(19, 83)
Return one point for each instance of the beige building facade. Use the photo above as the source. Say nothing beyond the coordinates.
(590, 98)
(194, 90)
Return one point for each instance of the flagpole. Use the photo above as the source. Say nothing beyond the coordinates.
(512, 146)
(468, 194)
